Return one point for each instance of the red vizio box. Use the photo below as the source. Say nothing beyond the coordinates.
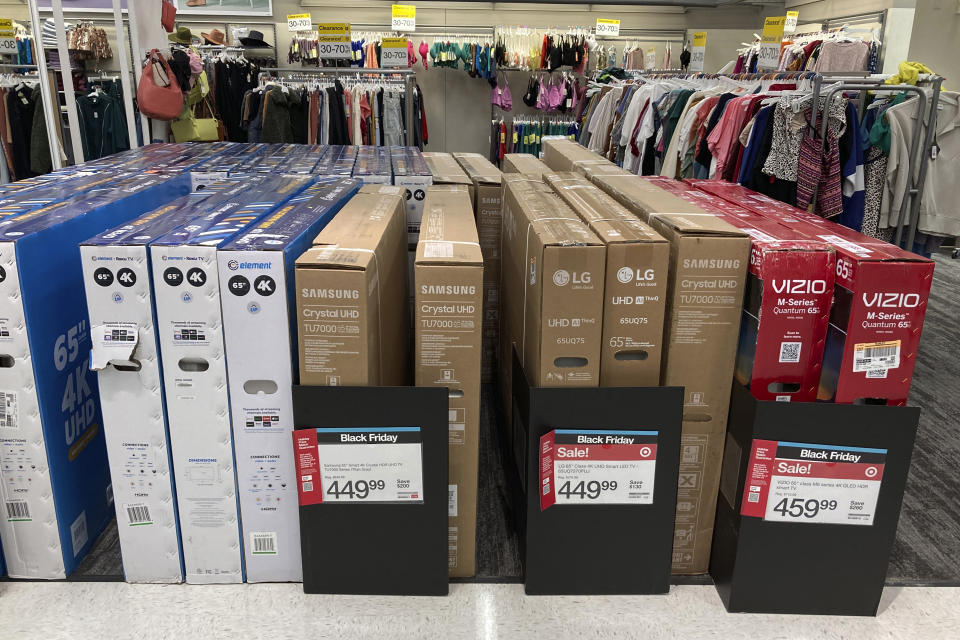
(880, 301)
(786, 309)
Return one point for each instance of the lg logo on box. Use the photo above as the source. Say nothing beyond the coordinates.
(626, 275)
(562, 277)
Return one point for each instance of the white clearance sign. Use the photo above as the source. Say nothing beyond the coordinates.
(403, 17)
(333, 40)
(8, 40)
(698, 50)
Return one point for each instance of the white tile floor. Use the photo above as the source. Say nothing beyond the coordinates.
(103, 611)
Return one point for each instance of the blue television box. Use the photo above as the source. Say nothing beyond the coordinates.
(257, 295)
(189, 326)
(119, 295)
(54, 478)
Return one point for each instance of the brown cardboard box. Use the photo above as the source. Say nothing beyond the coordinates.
(708, 270)
(352, 307)
(635, 284)
(449, 310)
(487, 206)
(446, 170)
(524, 163)
(552, 290)
(589, 170)
(563, 154)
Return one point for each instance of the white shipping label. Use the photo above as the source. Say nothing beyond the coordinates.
(823, 484)
(8, 410)
(371, 464)
(597, 467)
(876, 356)
(452, 500)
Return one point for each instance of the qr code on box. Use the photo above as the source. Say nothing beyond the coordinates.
(753, 497)
(790, 352)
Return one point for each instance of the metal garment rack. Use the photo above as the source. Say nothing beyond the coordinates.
(909, 214)
(357, 72)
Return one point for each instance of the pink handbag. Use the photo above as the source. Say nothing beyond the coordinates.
(158, 94)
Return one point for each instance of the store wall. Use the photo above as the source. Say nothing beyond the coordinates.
(825, 9)
(458, 107)
(936, 32)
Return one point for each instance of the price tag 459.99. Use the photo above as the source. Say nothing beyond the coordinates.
(813, 483)
(597, 467)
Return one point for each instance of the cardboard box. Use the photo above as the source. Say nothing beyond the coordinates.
(410, 171)
(54, 475)
(563, 154)
(635, 283)
(488, 208)
(352, 305)
(446, 170)
(708, 269)
(786, 309)
(259, 322)
(553, 289)
(449, 310)
(880, 300)
(189, 323)
(524, 163)
(124, 352)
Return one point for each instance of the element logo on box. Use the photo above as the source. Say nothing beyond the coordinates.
(821, 484)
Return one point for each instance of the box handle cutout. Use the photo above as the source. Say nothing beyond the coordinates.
(630, 355)
(193, 364)
(266, 387)
(783, 387)
(697, 417)
(455, 393)
(6, 361)
(130, 365)
(570, 362)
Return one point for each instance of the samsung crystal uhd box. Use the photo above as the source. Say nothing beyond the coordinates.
(880, 300)
(444, 169)
(54, 476)
(124, 353)
(352, 305)
(708, 273)
(635, 283)
(448, 282)
(257, 295)
(189, 325)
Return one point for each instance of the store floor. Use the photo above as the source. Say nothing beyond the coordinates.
(115, 610)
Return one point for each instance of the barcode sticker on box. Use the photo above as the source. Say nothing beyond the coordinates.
(790, 351)
(8, 410)
(78, 533)
(18, 511)
(876, 356)
(263, 543)
(138, 515)
(452, 547)
(452, 501)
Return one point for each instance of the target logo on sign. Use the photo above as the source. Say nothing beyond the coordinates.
(871, 472)
(645, 452)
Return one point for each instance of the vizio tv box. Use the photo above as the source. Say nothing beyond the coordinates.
(189, 325)
(257, 295)
(54, 478)
(124, 352)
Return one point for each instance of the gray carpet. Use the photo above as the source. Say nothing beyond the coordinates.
(927, 549)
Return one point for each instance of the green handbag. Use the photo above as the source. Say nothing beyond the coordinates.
(188, 128)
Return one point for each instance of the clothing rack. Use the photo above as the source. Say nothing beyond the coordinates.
(909, 214)
(407, 75)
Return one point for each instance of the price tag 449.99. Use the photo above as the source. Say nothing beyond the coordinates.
(363, 465)
(597, 467)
